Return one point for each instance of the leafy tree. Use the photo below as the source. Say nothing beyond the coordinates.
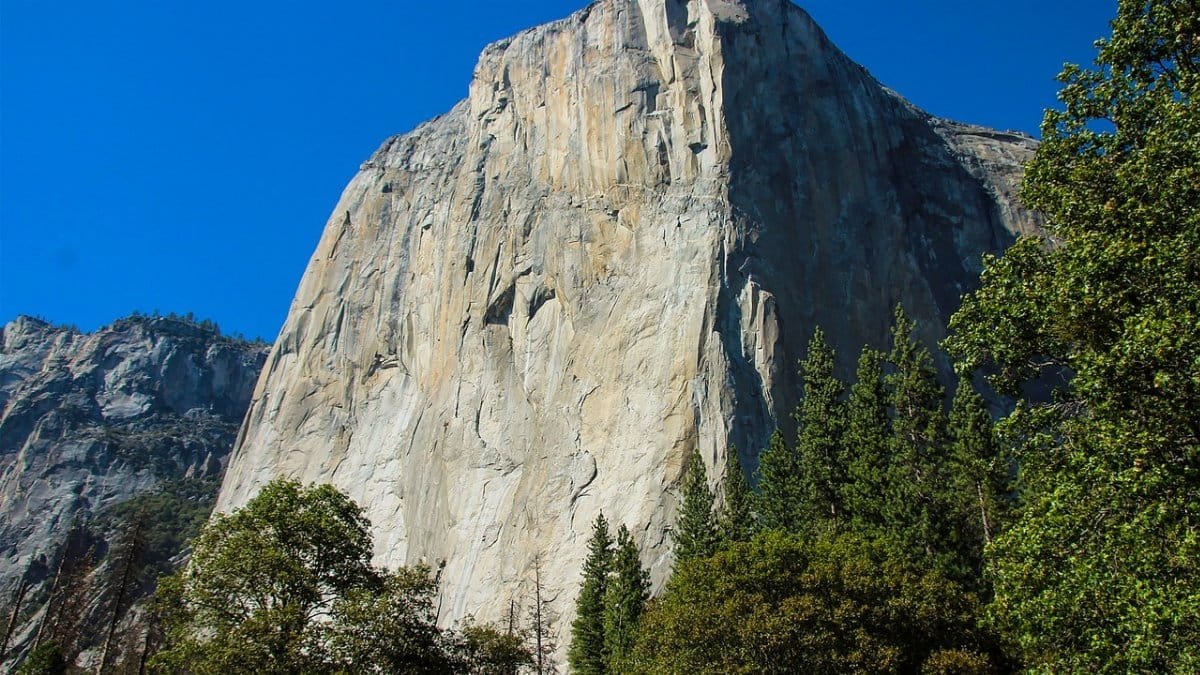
(780, 501)
(981, 475)
(916, 509)
(736, 519)
(865, 443)
(820, 421)
(1100, 572)
(389, 628)
(625, 599)
(45, 659)
(587, 653)
(484, 650)
(261, 577)
(696, 528)
(824, 603)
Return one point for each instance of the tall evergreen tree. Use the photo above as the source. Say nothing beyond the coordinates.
(916, 505)
(625, 600)
(780, 497)
(980, 474)
(820, 420)
(736, 522)
(1099, 572)
(865, 443)
(588, 653)
(696, 528)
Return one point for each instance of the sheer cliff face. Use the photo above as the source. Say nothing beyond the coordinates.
(528, 310)
(90, 420)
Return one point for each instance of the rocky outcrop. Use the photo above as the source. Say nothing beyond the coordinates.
(527, 311)
(88, 421)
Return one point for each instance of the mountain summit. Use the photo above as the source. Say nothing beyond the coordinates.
(530, 310)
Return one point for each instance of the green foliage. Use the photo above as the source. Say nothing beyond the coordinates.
(624, 601)
(736, 521)
(696, 527)
(915, 508)
(45, 659)
(828, 603)
(865, 443)
(981, 490)
(173, 515)
(588, 653)
(259, 579)
(391, 628)
(820, 421)
(780, 501)
(484, 650)
(1099, 572)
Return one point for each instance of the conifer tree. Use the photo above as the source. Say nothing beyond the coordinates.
(780, 497)
(696, 528)
(981, 475)
(736, 522)
(588, 654)
(625, 599)
(820, 421)
(865, 443)
(916, 508)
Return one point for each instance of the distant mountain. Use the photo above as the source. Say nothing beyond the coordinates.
(145, 409)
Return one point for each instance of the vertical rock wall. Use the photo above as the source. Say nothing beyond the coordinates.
(530, 309)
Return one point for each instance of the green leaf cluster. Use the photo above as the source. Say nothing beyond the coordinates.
(1100, 570)
(285, 585)
(826, 603)
(696, 533)
(610, 604)
(883, 459)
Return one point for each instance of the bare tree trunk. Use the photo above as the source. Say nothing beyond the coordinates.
(22, 588)
(132, 551)
(987, 528)
(537, 589)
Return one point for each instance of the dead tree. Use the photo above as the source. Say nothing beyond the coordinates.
(541, 624)
(124, 574)
(18, 598)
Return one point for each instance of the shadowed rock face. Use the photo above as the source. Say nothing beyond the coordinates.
(90, 420)
(528, 310)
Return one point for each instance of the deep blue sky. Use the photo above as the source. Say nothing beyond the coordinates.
(183, 156)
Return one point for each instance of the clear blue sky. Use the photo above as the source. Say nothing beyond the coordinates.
(183, 156)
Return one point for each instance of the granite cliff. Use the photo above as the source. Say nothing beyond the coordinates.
(90, 421)
(527, 311)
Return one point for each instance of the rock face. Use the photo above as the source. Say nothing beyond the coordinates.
(527, 311)
(88, 421)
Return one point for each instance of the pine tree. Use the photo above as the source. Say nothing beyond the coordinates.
(820, 421)
(865, 443)
(780, 497)
(916, 508)
(981, 475)
(696, 529)
(625, 599)
(736, 522)
(588, 653)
